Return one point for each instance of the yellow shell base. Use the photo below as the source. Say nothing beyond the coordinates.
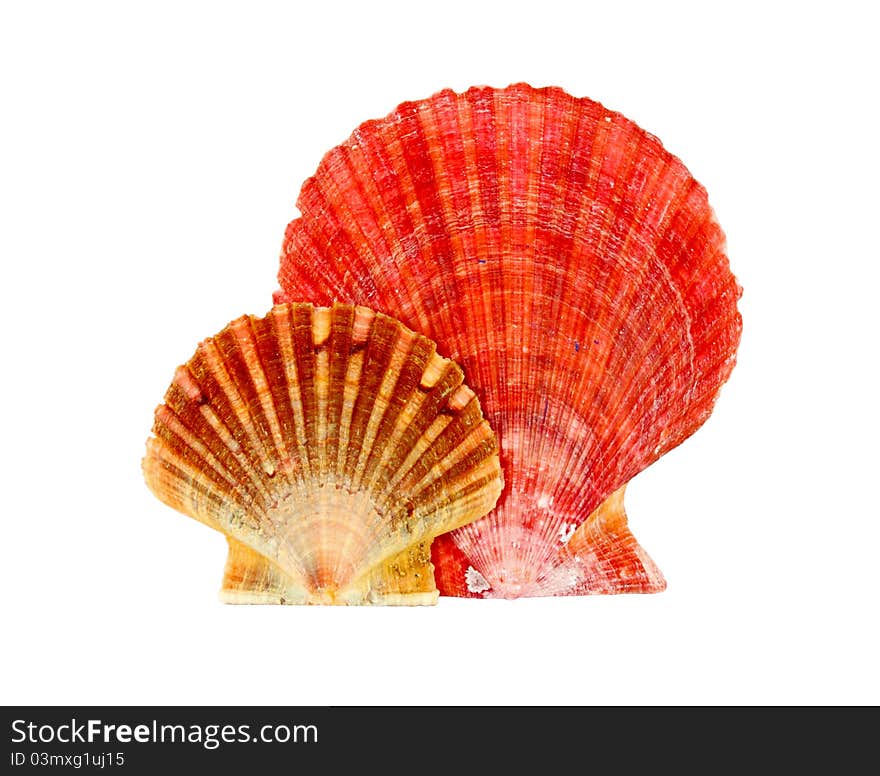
(404, 580)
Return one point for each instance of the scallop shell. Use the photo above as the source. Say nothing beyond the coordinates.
(575, 270)
(330, 445)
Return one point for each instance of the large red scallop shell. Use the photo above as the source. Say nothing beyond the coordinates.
(575, 270)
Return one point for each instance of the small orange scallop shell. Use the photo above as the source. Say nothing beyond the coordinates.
(575, 270)
(330, 445)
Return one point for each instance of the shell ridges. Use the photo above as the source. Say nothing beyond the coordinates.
(330, 445)
(574, 269)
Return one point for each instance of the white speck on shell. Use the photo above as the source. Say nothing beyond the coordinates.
(566, 532)
(476, 582)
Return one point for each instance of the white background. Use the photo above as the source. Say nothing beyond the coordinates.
(150, 157)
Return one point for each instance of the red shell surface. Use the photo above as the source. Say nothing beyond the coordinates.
(574, 269)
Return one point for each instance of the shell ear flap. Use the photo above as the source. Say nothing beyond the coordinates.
(599, 556)
(406, 579)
